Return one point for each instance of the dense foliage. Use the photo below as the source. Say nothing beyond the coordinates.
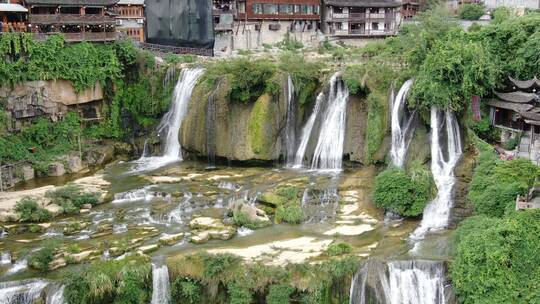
(126, 281)
(305, 75)
(471, 11)
(30, 211)
(406, 195)
(497, 260)
(84, 64)
(72, 198)
(496, 183)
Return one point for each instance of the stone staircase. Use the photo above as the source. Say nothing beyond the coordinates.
(528, 149)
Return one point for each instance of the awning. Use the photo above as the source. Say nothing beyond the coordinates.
(518, 97)
(13, 8)
(516, 107)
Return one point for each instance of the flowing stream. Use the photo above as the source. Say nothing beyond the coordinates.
(161, 289)
(290, 123)
(402, 126)
(172, 121)
(21, 292)
(328, 153)
(444, 157)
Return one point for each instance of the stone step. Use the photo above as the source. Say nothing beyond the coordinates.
(524, 154)
(525, 140)
(524, 148)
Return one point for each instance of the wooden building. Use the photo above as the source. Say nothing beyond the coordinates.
(409, 9)
(273, 15)
(13, 17)
(224, 14)
(516, 111)
(77, 20)
(130, 19)
(370, 18)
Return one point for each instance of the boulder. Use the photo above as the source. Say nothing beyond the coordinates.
(255, 216)
(86, 206)
(206, 228)
(27, 173)
(54, 209)
(9, 216)
(57, 263)
(171, 239)
(81, 256)
(116, 251)
(74, 164)
(148, 248)
(56, 169)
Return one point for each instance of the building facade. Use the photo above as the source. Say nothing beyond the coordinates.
(130, 19)
(224, 14)
(372, 18)
(13, 16)
(77, 20)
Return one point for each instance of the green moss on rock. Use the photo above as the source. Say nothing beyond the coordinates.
(262, 126)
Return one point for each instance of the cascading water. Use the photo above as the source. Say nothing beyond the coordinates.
(328, 152)
(161, 293)
(306, 132)
(21, 292)
(401, 126)
(401, 282)
(290, 123)
(172, 121)
(444, 158)
(56, 296)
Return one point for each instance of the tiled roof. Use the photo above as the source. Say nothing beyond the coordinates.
(366, 3)
(73, 2)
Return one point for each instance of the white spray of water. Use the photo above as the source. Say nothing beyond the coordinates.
(401, 126)
(172, 121)
(57, 297)
(20, 265)
(161, 289)
(328, 153)
(5, 258)
(443, 161)
(21, 292)
(306, 132)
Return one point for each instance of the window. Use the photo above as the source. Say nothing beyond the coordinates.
(339, 26)
(304, 9)
(286, 9)
(375, 26)
(257, 8)
(270, 8)
(241, 7)
(296, 9)
(316, 9)
(338, 10)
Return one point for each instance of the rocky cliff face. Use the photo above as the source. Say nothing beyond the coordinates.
(217, 127)
(44, 98)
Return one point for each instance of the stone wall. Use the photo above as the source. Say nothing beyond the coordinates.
(50, 98)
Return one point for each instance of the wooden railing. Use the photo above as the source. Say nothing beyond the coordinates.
(13, 27)
(363, 16)
(70, 18)
(83, 36)
(175, 50)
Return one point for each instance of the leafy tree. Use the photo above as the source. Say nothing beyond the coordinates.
(497, 261)
(395, 190)
(471, 11)
(279, 294)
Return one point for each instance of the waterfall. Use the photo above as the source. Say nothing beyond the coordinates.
(56, 296)
(328, 152)
(172, 121)
(5, 258)
(400, 282)
(306, 132)
(21, 292)
(401, 126)
(161, 293)
(290, 123)
(444, 158)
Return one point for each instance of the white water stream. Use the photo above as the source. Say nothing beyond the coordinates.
(161, 289)
(21, 292)
(172, 121)
(401, 126)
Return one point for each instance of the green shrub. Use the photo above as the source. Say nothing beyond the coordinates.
(289, 44)
(395, 190)
(496, 261)
(242, 219)
(339, 248)
(496, 184)
(305, 75)
(248, 78)
(291, 213)
(471, 11)
(30, 211)
(485, 130)
(238, 294)
(279, 294)
(42, 258)
(512, 143)
(185, 290)
(72, 197)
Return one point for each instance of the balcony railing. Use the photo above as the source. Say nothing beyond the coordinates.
(83, 36)
(363, 16)
(70, 18)
(13, 27)
(363, 32)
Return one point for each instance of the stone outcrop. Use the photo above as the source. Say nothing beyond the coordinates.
(356, 127)
(255, 216)
(207, 228)
(49, 98)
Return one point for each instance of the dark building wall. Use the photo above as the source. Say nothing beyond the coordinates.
(181, 23)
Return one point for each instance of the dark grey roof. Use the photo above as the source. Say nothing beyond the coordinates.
(530, 115)
(72, 2)
(518, 97)
(363, 3)
(525, 84)
(516, 107)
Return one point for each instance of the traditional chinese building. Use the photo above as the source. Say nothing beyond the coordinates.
(516, 111)
(77, 20)
(409, 9)
(13, 17)
(371, 18)
(224, 13)
(130, 19)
